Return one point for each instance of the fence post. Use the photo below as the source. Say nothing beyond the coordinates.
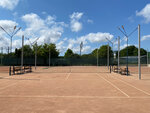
(139, 55)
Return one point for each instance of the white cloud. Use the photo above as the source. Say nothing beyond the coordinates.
(90, 21)
(74, 44)
(60, 46)
(47, 29)
(4, 42)
(145, 12)
(9, 4)
(76, 26)
(97, 37)
(146, 37)
(85, 49)
(8, 24)
(76, 16)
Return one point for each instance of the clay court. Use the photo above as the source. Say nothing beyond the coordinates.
(75, 89)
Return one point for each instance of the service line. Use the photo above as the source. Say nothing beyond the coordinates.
(113, 85)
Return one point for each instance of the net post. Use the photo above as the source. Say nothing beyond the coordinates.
(139, 55)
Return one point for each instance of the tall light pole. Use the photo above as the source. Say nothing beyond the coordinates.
(139, 52)
(1, 55)
(112, 47)
(81, 46)
(35, 54)
(22, 52)
(15, 30)
(97, 57)
(32, 44)
(118, 53)
(11, 36)
(108, 55)
(127, 36)
(147, 57)
(49, 54)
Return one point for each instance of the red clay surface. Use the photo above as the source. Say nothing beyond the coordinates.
(74, 89)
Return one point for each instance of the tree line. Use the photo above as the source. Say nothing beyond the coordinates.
(43, 51)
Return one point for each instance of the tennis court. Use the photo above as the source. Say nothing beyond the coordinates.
(75, 89)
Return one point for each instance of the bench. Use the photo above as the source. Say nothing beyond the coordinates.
(17, 70)
(116, 69)
(27, 69)
(123, 71)
(20, 69)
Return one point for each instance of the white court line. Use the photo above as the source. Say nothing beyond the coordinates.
(133, 86)
(67, 77)
(113, 85)
(74, 97)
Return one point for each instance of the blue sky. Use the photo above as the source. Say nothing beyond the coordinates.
(68, 22)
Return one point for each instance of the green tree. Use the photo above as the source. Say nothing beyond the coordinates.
(132, 51)
(44, 50)
(104, 50)
(94, 53)
(69, 53)
(28, 52)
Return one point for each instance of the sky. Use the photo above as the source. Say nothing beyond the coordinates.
(67, 23)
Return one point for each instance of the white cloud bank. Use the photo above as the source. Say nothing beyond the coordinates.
(50, 31)
(146, 37)
(47, 29)
(74, 44)
(145, 12)
(76, 26)
(9, 4)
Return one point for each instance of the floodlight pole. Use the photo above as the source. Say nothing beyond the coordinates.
(35, 54)
(127, 56)
(97, 57)
(147, 57)
(108, 51)
(108, 55)
(49, 53)
(81, 45)
(49, 57)
(34, 43)
(139, 54)
(127, 42)
(22, 52)
(8, 50)
(118, 52)
(11, 35)
(1, 55)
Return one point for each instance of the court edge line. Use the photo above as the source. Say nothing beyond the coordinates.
(84, 97)
(133, 86)
(114, 86)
